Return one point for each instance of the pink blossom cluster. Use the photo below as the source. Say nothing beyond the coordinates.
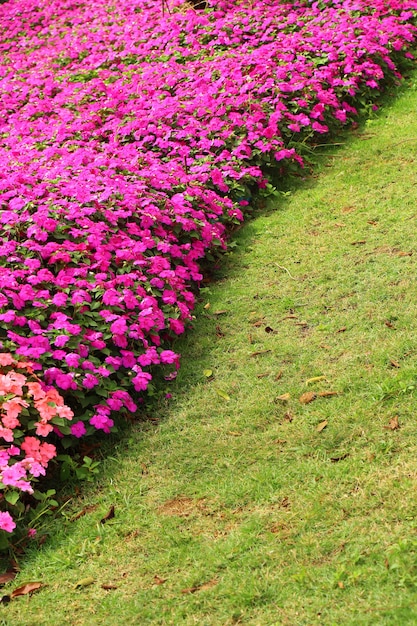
(29, 411)
(131, 138)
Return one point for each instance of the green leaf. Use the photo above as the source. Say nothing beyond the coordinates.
(11, 497)
(222, 394)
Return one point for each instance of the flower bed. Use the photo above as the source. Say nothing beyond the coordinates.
(131, 137)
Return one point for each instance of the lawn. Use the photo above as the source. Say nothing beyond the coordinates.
(277, 484)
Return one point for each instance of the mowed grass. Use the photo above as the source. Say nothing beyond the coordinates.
(238, 503)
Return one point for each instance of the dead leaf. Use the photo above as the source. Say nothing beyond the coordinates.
(373, 222)
(264, 375)
(394, 363)
(279, 375)
(288, 417)
(108, 515)
(23, 590)
(223, 312)
(7, 577)
(404, 253)
(84, 582)
(322, 426)
(340, 584)
(389, 324)
(315, 379)
(284, 397)
(108, 586)
(393, 424)
(327, 394)
(336, 459)
(339, 225)
(358, 243)
(202, 587)
(145, 470)
(307, 397)
(157, 580)
(87, 509)
(259, 352)
(292, 316)
(342, 330)
(206, 306)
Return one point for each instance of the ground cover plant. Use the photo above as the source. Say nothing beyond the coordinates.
(238, 504)
(131, 138)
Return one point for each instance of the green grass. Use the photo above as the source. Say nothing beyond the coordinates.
(231, 507)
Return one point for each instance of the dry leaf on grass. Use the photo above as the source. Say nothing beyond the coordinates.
(202, 587)
(108, 515)
(394, 363)
(335, 459)
(23, 590)
(7, 577)
(259, 352)
(285, 397)
(393, 424)
(108, 586)
(307, 397)
(327, 394)
(289, 317)
(87, 509)
(322, 426)
(157, 580)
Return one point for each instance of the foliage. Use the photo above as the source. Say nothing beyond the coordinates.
(131, 141)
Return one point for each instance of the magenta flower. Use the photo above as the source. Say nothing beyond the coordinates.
(78, 429)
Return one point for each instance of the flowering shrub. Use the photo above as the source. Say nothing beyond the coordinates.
(29, 412)
(131, 139)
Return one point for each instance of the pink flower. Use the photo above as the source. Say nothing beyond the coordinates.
(6, 359)
(141, 381)
(61, 340)
(6, 522)
(168, 356)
